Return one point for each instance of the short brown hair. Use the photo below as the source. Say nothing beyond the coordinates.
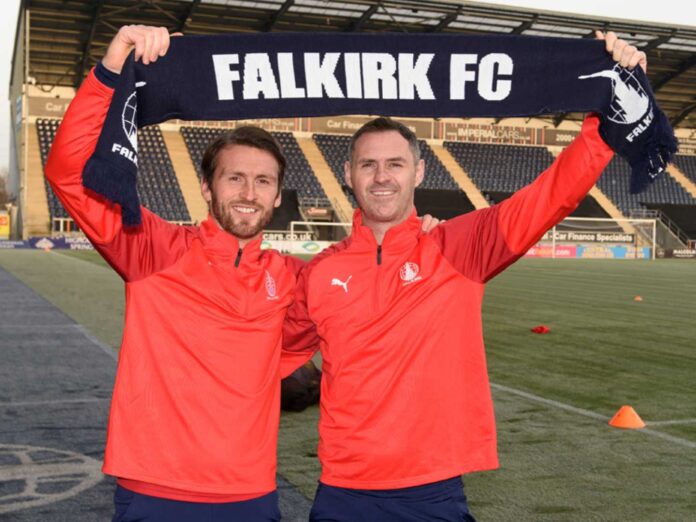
(384, 125)
(251, 137)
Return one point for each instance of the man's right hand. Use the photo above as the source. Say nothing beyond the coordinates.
(149, 43)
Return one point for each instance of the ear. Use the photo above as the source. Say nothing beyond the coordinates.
(205, 191)
(346, 174)
(278, 199)
(420, 172)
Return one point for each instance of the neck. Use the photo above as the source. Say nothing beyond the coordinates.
(243, 242)
(380, 228)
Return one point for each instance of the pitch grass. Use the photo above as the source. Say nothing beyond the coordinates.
(604, 350)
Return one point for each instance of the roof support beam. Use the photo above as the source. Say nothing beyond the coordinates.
(524, 26)
(442, 24)
(84, 65)
(681, 69)
(558, 118)
(652, 44)
(683, 114)
(186, 18)
(357, 25)
(278, 15)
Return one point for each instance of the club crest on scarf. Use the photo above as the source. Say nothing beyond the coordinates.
(629, 101)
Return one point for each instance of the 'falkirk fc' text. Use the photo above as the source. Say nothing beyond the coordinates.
(363, 76)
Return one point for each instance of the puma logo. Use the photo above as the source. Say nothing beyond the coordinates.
(337, 282)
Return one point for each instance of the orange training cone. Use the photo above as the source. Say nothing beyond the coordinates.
(637, 298)
(627, 418)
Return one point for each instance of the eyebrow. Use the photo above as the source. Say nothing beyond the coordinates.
(396, 158)
(242, 173)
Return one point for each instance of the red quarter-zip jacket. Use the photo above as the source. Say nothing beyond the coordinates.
(196, 402)
(405, 397)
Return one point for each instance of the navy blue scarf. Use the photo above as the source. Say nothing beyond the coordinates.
(233, 77)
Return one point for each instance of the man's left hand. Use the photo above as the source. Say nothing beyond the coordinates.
(429, 222)
(621, 51)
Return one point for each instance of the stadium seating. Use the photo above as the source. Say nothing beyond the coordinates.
(614, 182)
(335, 151)
(47, 131)
(157, 184)
(500, 169)
(298, 174)
(687, 164)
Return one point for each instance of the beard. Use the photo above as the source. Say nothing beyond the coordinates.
(240, 227)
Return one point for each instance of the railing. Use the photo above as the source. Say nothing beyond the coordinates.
(657, 214)
(305, 201)
(64, 226)
(339, 212)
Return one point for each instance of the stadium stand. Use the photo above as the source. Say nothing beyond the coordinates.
(500, 168)
(47, 131)
(157, 185)
(614, 182)
(687, 164)
(298, 175)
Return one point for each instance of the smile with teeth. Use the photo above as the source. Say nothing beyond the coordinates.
(245, 210)
(383, 192)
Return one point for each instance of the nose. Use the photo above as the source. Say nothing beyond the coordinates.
(248, 192)
(381, 175)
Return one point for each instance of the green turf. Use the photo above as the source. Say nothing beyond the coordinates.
(604, 350)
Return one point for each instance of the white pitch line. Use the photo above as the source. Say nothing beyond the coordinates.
(38, 326)
(69, 326)
(105, 347)
(671, 422)
(51, 403)
(80, 260)
(590, 414)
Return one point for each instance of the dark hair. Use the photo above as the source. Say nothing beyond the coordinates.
(384, 125)
(251, 137)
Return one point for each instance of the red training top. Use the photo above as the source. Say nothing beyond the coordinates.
(405, 398)
(196, 402)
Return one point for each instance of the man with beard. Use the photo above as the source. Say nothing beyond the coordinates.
(195, 411)
(405, 403)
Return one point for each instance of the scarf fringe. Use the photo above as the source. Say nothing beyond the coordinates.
(658, 151)
(115, 184)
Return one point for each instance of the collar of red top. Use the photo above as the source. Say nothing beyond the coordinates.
(399, 237)
(223, 244)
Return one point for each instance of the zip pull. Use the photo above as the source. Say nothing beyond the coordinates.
(379, 254)
(238, 259)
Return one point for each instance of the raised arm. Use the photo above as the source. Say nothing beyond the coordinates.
(134, 253)
(482, 243)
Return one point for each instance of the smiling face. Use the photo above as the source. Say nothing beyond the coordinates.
(383, 174)
(244, 190)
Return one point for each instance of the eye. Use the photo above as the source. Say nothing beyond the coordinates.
(263, 181)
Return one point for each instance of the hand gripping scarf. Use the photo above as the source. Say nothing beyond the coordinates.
(232, 77)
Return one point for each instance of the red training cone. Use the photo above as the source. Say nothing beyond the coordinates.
(627, 418)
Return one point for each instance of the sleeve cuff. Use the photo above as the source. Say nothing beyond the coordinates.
(105, 76)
